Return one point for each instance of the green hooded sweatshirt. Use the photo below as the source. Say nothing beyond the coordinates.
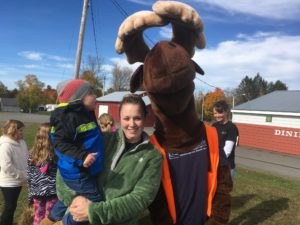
(129, 181)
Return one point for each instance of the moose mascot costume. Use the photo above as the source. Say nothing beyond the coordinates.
(194, 188)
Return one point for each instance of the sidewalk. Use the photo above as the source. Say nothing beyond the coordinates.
(279, 164)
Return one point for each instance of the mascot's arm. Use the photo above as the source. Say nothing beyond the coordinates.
(159, 212)
(222, 200)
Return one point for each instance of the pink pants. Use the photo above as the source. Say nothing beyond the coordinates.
(42, 208)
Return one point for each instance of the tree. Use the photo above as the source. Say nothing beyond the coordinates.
(50, 94)
(30, 93)
(121, 78)
(94, 73)
(250, 88)
(209, 100)
(260, 86)
(3, 90)
(278, 85)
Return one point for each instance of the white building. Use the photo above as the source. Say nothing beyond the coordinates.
(270, 122)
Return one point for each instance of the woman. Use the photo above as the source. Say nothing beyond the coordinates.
(13, 166)
(131, 176)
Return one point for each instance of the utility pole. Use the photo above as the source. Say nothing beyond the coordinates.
(80, 39)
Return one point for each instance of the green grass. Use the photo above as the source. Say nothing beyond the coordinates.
(257, 198)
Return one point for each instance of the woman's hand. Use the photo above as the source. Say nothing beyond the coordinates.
(79, 208)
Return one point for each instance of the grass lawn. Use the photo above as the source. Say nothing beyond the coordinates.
(257, 198)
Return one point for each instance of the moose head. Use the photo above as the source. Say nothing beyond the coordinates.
(167, 72)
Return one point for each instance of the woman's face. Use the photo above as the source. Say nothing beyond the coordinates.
(132, 122)
(20, 133)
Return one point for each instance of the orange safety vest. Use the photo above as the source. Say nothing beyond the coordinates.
(212, 138)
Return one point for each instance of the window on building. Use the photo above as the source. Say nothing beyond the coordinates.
(269, 119)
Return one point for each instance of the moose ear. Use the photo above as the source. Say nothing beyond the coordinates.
(198, 68)
(136, 79)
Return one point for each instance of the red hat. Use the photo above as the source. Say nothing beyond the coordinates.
(72, 89)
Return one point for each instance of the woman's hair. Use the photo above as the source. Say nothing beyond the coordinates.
(136, 100)
(42, 148)
(221, 106)
(107, 122)
(10, 128)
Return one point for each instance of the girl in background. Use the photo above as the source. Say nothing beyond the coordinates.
(13, 165)
(107, 123)
(41, 174)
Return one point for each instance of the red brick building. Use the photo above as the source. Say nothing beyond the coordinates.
(110, 104)
(270, 122)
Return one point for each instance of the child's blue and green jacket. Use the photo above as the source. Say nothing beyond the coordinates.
(75, 133)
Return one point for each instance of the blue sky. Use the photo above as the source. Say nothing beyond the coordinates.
(243, 38)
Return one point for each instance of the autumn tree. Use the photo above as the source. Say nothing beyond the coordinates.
(30, 93)
(50, 95)
(209, 100)
(120, 78)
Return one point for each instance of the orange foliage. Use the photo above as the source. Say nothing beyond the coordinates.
(51, 95)
(209, 100)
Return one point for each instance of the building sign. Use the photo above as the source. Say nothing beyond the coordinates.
(287, 133)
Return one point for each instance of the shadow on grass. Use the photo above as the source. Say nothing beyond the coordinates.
(261, 212)
(240, 201)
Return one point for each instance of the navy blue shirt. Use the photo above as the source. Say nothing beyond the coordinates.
(226, 132)
(189, 179)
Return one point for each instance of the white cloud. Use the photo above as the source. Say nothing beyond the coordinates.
(142, 2)
(275, 56)
(65, 65)
(57, 58)
(36, 56)
(123, 63)
(166, 32)
(31, 66)
(272, 9)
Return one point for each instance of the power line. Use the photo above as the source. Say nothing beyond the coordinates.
(206, 83)
(125, 14)
(211, 84)
(94, 31)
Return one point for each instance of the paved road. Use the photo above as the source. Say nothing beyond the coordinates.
(279, 164)
(24, 117)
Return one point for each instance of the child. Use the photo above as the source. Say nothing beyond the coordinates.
(41, 174)
(78, 143)
(227, 133)
(106, 123)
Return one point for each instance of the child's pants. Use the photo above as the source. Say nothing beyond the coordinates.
(42, 208)
(86, 187)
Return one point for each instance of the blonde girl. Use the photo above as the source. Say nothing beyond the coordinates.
(106, 123)
(41, 174)
(13, 165)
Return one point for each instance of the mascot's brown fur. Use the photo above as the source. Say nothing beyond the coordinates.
(167, 75)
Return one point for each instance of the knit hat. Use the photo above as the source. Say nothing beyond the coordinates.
(69, 90)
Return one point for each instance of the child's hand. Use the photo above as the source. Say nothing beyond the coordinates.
(89, 160)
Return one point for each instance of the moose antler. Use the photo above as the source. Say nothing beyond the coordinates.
(130, 36)
(186, 23)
